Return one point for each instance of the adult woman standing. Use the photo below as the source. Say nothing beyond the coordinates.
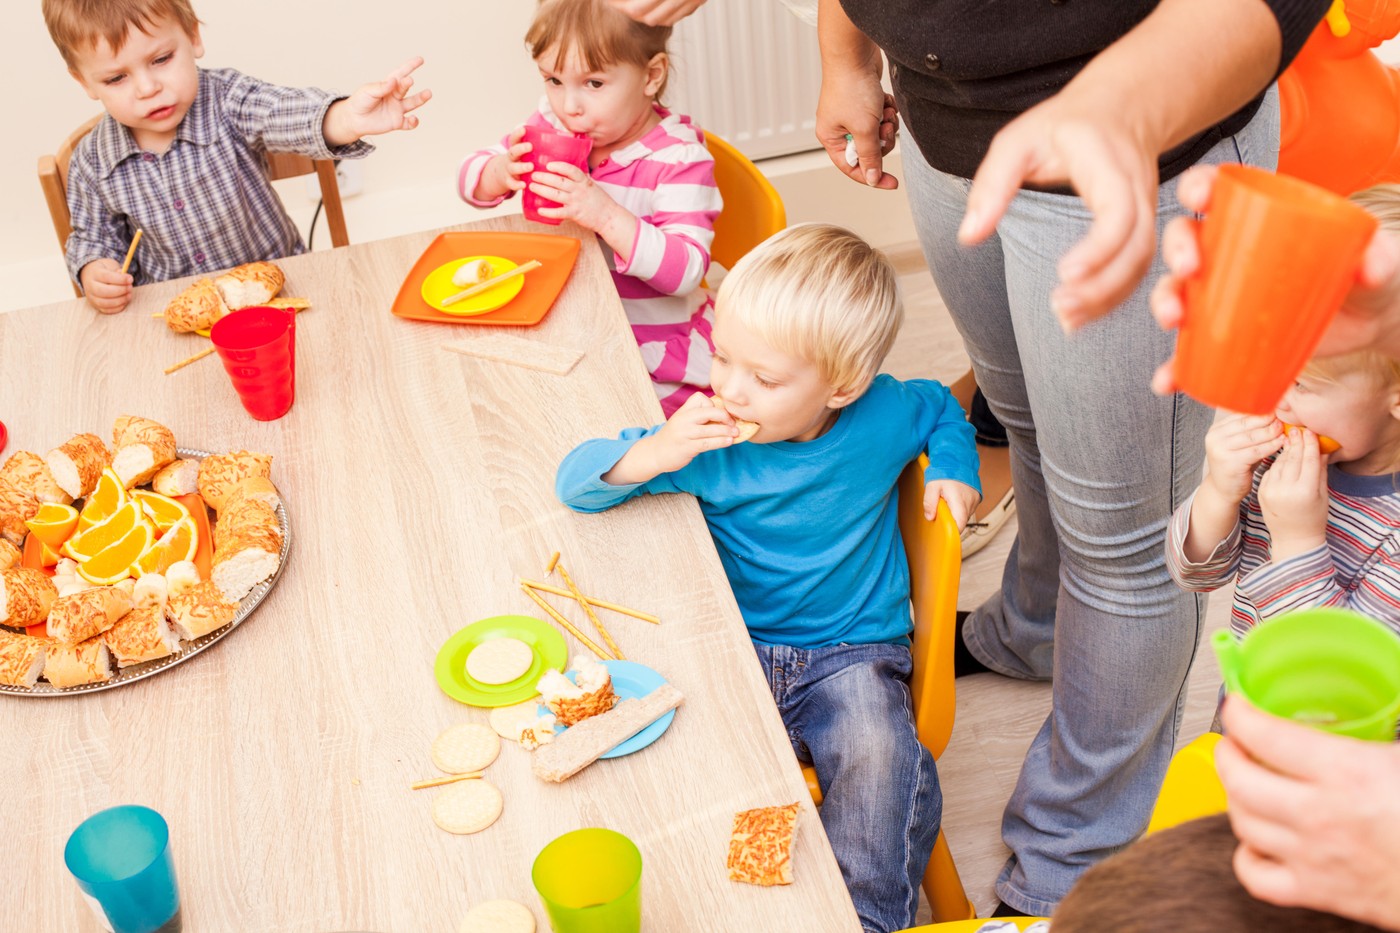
(1113, 98)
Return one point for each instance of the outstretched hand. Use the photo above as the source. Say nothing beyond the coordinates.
(377, 107)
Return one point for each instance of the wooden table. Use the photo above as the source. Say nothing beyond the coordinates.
(419, 485)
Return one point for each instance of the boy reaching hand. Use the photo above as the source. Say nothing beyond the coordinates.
(805, 518)
(180, 153)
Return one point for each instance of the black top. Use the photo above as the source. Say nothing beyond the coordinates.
(963, 69)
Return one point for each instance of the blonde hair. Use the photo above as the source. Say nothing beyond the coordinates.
(601, 35)
(822, 294)
(78, 24)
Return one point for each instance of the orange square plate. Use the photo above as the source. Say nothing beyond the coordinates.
(556, 254)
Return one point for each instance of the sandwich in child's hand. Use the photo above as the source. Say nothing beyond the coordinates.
(589, 694)
(747, 429)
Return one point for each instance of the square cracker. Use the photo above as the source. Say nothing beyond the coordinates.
(760, 847)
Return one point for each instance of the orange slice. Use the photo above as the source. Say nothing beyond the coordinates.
(179, 543)
(54, 524)
(164, 511)
(104, 501)
(1325, 444)
(113, 563)
(86, 544)
(47, 557)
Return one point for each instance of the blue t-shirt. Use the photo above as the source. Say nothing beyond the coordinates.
(808, 531)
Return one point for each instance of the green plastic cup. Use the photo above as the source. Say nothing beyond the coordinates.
(590, 881)
(1329, 668)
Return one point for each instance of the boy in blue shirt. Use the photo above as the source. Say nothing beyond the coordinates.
(179, 154)
(804, 517)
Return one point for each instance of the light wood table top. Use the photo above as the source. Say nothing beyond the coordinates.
(420, 487)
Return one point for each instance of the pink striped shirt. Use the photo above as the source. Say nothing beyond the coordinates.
(667, 180)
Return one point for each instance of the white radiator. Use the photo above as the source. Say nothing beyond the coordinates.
(750, 71)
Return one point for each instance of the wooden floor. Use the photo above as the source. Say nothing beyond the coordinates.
(997, 717)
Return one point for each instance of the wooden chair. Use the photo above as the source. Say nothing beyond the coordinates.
(53, 179)
(934, 551)
(753, 210)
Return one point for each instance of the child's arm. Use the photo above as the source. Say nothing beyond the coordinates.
(1235, 446)
(952, 453)
(489, 176)
(1210, 573)
(378, 107)
(669, 248)
(98, 236)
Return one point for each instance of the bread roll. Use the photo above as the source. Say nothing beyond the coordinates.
(87, 662)
(78, 463)
(142, 447)
(250, 284)
(258, 488)
(199, 611)
(219, 473)
(29, 472)
(247, 547)
(26, 596)
(77, 618)
(10, 556)
(196, 308)
(180, 478)
(21, 659)
(141, 635)
(16, 507)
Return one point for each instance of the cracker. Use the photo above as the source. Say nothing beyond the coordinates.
(498, 917)
(467, 806)
(760, 847)
(747, 429)
(468, 747)
(500, 660)
(509, 721)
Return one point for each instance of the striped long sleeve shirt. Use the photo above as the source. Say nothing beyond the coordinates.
(206, 203)
(1358, 568)
(667, 180)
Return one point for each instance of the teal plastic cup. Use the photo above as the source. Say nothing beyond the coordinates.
(1333, 669)
(590, 881)
(121, 860)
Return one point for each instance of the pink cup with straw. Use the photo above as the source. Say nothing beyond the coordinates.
(546, 146)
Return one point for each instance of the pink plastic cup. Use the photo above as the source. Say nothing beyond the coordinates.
(546, 146)
(258, 347)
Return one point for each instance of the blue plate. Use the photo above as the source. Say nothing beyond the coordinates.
(631, 681)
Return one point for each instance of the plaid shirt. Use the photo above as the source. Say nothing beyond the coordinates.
(206, 204)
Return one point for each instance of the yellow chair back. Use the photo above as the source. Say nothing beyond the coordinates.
(753, 210)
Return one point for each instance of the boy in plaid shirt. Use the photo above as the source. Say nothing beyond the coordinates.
(180, 153)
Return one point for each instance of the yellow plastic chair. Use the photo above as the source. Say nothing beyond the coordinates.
(1191, 788)
(934, 550)
(753, 210)
(971, 926)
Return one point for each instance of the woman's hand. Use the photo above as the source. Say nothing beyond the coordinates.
(962, 499)
(853, 100)
(657, 12)
(1317, 815)
(1369, 318)
(1293, 497)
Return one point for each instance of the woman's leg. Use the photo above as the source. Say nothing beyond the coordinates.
(1099, 465)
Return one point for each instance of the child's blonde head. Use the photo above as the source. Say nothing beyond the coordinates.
(822, 294)
(599, 33)
(76, 25)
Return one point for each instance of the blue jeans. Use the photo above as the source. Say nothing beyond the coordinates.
(849, 714)
(1099, 464)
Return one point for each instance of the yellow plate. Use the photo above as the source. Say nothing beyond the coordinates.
(438, 286)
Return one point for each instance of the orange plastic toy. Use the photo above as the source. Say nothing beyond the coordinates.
(1340, 104)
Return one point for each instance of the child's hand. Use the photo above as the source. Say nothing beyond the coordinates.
(697, 426)
(378, 107)
(502, 173)
(580, 199)
(107, 287)
(962, 499)
(1235, 445)
(1293, 497)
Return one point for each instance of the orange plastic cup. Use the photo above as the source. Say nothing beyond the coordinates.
(1277, 258)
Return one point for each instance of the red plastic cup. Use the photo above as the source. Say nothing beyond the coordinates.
(258, 347)
(546, 146)
(1278, 256)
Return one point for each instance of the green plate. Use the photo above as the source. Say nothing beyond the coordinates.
(450, 668)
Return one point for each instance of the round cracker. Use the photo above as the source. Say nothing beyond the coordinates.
(499, 661)
(468, 747)
(467, 806)
(498, 917)
(510, 721)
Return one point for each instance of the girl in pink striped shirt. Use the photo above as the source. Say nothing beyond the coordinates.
(649, 192)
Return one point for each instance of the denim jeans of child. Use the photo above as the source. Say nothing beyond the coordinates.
(849, 714)
(1098, 463)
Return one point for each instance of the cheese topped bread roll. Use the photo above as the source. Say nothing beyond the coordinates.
(21, 659)
(177, 479)
(29, 472)
(17, 506)
(142, 447)
(250, 284)
(78, 463)
(219, 473)
(196, 308)
(84, 615)
(10, 556)
(87, 662)
(26, 595)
